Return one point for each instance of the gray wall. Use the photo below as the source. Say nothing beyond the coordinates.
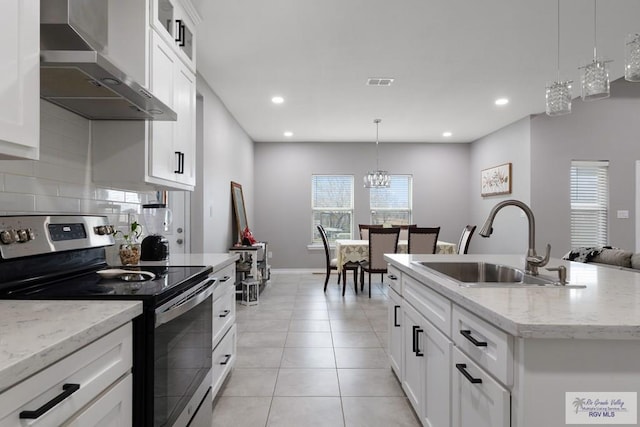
(510, 144)
(607, 129)
(225, 154)
(283, 189)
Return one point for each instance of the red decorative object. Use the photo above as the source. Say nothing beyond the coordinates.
(247, 237)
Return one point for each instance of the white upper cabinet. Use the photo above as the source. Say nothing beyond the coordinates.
(175, 22)
(20, 84)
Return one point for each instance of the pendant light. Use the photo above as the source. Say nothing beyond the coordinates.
(377, 178)
(632, 58)
(595, 78)
(558, 94)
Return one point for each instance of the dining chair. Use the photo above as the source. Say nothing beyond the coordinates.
(332, 264)
(364, 230)
(381, 241)
(404, 230)
(465, 238)
(423, 240)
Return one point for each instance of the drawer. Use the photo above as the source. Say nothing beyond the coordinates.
(433, 306)
(488, 346)
(394, 279)
(224, 313)
(113, 409)
(226, 278)
(223, 359)
(476, 398)
(94, 368)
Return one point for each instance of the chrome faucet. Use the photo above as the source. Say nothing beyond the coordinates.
(533, 260)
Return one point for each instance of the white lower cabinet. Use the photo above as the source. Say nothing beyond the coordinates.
(224, 328)
(394, 325)
(477, 399)
(426, 368)
(91, 387)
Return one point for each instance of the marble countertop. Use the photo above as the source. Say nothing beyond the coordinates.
(607, 308)
(35, 334)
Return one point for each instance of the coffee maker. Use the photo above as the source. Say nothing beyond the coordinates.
(157, 218)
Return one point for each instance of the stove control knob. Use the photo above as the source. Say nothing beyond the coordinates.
(111, 229)
(22, 236)
(8, 236)
(101, 230)
(30, 234)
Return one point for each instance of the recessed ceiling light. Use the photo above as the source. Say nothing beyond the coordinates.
(288, 134)
(446, 134)
(502, 101)
(277, 100)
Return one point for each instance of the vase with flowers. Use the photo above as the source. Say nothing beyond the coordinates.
(130, 250)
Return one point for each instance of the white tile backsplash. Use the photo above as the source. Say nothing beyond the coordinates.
(60, 182)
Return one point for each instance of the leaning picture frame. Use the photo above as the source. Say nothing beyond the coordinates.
(237, 198)
(496, 180)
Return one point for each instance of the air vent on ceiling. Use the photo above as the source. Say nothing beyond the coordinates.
(379, 81)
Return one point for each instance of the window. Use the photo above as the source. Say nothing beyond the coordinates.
(332, 206)
(589, 203)
(392, 205)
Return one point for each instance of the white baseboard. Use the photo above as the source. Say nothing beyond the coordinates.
(300, 271)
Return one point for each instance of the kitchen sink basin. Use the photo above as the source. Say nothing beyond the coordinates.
(485, 274)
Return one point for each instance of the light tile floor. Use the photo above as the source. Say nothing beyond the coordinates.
(306, 358)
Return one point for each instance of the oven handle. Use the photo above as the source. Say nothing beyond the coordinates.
(182, 303)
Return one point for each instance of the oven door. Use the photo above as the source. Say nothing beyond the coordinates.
(182, 354)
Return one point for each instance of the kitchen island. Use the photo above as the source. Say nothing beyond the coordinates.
(515, 356)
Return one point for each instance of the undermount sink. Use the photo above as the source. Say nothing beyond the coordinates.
(484, 274)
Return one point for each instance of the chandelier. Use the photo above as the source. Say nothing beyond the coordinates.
(377, 178)
(558, 94)
(595, 78)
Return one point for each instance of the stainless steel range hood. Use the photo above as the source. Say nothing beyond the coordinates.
(76, 72)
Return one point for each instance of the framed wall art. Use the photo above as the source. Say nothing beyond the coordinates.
(496, 180)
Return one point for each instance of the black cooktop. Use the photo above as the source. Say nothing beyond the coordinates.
(168, 282)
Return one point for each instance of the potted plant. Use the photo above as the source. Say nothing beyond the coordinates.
(130, 250)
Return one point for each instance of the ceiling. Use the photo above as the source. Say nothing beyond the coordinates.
(450, 60)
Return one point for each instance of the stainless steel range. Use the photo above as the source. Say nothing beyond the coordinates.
(58, 257)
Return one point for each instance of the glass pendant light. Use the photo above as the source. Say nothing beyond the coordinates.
(595, 78)
(632, 58)
(377, 178)
(558, 94)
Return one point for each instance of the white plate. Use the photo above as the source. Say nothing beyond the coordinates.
(111, 273)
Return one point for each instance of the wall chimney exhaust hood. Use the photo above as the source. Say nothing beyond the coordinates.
(76, 73)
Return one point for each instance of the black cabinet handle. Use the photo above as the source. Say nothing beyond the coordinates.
(226, 359)
(418, 353)
(179, 22)
(224, 279)
(467, 335)
(395, 316)
(180, 160)
(392, 276)
(462, 367)
(414, 338)
(225, 313)
(68, 390)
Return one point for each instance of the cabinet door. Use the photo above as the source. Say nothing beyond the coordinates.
(162, 158)
(413, 357)
(185, 126)
(395, 333)
(163, 19)
(477, 399)
(20, 70)
(437, 377)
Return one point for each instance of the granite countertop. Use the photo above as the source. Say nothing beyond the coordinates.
(608, 308)
(35, 334)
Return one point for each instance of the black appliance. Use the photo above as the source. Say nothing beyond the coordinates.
(57, 256)
(154, 248)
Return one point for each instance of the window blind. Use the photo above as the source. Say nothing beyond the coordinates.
(392, 205)
(589, 203)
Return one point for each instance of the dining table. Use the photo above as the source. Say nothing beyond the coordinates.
(349, 250)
